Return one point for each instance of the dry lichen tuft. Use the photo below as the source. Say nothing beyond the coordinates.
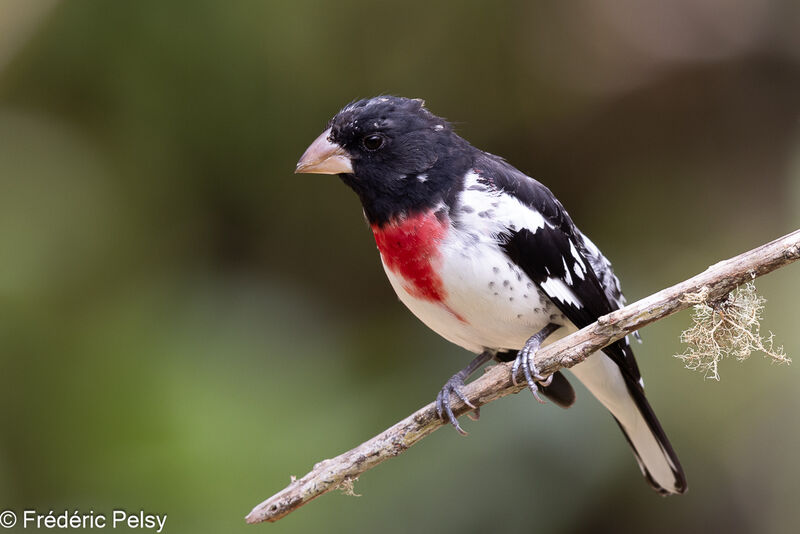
(728, 328)
(348, 487)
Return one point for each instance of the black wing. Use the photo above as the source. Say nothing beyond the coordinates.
(578, 279)
(556, 257)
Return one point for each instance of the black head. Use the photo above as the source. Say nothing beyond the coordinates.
(395, 154)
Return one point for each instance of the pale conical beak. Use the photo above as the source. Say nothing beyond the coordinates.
(324, 157)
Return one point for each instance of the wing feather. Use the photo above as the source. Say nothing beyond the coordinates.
(556, 256)
(579, 280)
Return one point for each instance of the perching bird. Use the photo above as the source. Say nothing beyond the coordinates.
(488, 258)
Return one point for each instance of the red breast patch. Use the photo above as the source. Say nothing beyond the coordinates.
(410, 249)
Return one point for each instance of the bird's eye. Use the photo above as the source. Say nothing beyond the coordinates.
(373, 142)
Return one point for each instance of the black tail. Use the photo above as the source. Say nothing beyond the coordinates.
(626, 401)
(678, 484)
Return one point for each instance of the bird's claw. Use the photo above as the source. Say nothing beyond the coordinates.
(455, 386)
(525, 359)
(530, 372)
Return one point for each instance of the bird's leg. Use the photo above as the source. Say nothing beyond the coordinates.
(455, 385)
(525, 359)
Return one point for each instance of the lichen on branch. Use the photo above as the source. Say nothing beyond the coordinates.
(727, 328)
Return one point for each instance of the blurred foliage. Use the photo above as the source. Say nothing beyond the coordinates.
(184, 323)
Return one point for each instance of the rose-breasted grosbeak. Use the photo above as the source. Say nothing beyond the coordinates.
(488, 258)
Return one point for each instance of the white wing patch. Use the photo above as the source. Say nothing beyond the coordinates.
(580, 267)
(567, 275)
(532, 220)
(495, 210)
(556, 288)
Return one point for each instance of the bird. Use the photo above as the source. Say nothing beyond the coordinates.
(487, 257)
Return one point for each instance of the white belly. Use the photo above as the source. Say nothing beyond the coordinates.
(489, 303)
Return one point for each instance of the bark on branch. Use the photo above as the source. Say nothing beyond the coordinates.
(718, 280)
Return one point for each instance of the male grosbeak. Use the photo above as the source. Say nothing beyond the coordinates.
(488, 258)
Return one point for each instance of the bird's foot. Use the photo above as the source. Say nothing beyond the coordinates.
(455, 386)
(525, 359)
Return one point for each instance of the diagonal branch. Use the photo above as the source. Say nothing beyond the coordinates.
(715, 282)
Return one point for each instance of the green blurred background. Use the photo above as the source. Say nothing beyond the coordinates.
(184, 323)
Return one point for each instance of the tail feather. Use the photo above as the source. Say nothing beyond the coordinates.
(559, 391)
(626, 401)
